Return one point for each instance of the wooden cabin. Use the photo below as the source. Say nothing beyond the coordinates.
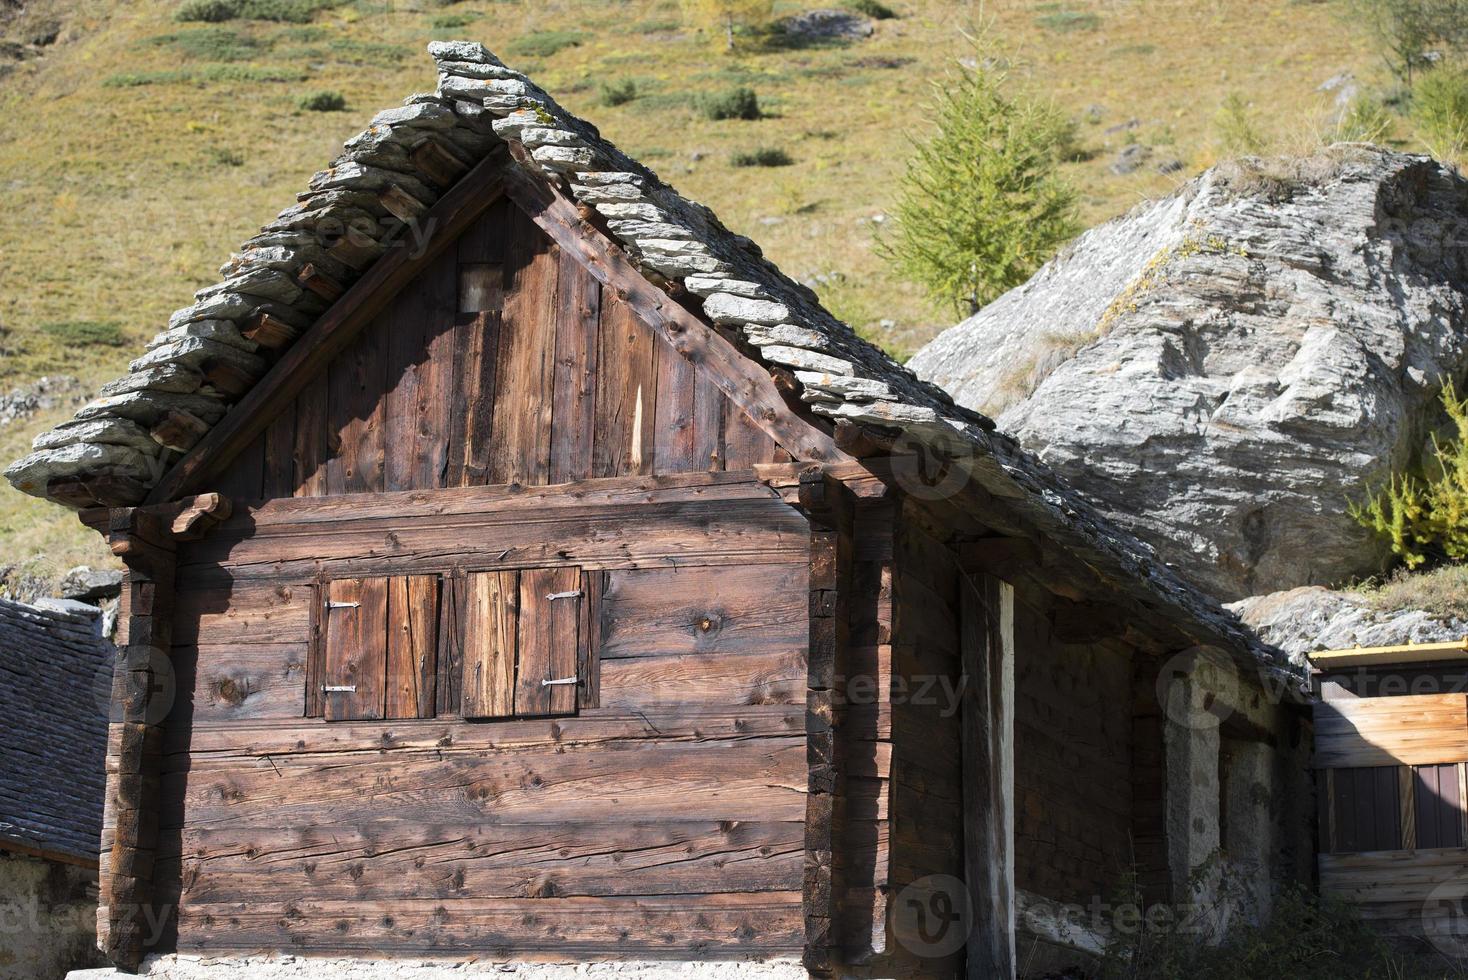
(521, 567)
(1391, 753)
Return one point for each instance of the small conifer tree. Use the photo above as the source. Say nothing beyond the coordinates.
(1427, 517)
(982, 205)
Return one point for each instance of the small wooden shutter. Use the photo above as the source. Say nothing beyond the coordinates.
(412, 646)
(1439, 818)
(521, 643)
(355, 675)
(550, 614)
(378, 649)
(489, 644)
(1367, 809)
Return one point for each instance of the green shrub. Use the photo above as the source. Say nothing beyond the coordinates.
(764, 156)
(874, 9)
(225, 157)
(1425, 517)
(85, 333)
(1366, 120)
(736, 103)
(982, 204)
(1237, 127)
(213, 44)
(1440, 110)
(1064, 20)
(324, 101)
(216, 11)
(203, 74)
(1406, 30)
(452, 22)
(618, 93)
(543, 44)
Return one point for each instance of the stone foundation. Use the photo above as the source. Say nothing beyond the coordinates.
(175, 967)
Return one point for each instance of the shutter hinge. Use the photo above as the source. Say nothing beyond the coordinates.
(339, 688)
(342, 605)
(575, 594)
(558, 680)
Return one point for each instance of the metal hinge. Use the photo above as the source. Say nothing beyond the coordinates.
(564, 595)
(339, 688)
(342, 605)
(558, 680)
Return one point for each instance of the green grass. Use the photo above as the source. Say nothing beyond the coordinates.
(324, 101)
(217, 11)
(85, 333)
(1064, 20)
(619, 92)
(871, 8)
(543, 44)
(203, 75)
(213, 44)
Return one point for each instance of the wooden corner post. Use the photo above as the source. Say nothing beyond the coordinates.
(128, 920)
(825, 505)
(987, 652)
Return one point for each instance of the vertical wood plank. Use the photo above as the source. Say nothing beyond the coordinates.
(548, 647)
(412, 634)
(490, 614)
(626, 391)
(354, 392)
(279, 477)
(987, 653)
(589, 640)
(480, 300)
(709, 405)
(419, 378)
(520, 449)
(578, 314)
(356, 649)
(316, 649)
(450, 644)
(745, 444)
(673, 424)
(311, 447)
(245, 475)
(1407, 801)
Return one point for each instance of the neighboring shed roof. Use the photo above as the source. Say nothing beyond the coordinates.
(408, 157)
(52, 665)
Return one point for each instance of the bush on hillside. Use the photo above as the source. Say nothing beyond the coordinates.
(543, 44)
(874, 9)
(728, 20)
(1440, 110)
(1366, 120)
(982, 205)
(1425, 517)
(736, 103)
(618, 93)
(85, 333)
(1407, 30)
(324, 101)
(764, 156)
(217, 11)
(1238, 127)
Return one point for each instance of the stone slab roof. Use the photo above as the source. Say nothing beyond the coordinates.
(403, 162)
(53, 664)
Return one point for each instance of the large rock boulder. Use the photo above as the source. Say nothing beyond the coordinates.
(1224, 368)
(1308, 619)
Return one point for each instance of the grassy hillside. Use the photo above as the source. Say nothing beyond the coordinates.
(136, 151)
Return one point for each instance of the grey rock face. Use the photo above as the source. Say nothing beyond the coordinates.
(1304, 620)
(1224, 368)
(85, 584)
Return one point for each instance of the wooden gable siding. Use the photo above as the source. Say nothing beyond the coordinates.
(667, 820)
(503, 361)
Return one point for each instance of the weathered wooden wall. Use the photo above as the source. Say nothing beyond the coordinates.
(503, 362)
(668, 820)
(1073, 760)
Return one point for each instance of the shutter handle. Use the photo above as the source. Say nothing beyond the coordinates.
(558, 680)
(342, 605)
(339, 688)
(553, 596)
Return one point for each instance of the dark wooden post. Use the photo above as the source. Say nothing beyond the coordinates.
(146, 541)
(825, 505)
(987, 651)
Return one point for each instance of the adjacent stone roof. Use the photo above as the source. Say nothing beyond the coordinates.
(55, 673)
(403, 162)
